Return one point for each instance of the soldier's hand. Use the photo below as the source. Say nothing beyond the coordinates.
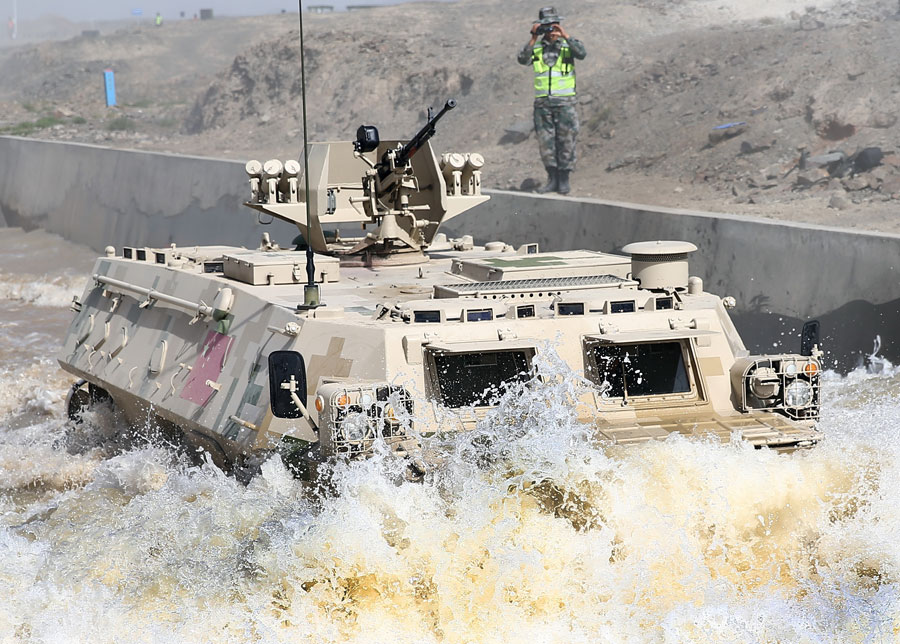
(558, 29)
(534, 29)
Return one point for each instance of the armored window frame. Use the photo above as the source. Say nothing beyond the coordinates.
(694, 395)
(433, 387)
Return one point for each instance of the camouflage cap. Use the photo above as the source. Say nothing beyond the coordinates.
(548, 15)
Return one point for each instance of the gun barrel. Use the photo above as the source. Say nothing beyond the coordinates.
(427, 131)
(418, 140)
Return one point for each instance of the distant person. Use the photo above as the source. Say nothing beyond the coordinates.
(158, 19)
(11, 28)
(555, 117)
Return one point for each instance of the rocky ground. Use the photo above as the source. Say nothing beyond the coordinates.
(752, 108)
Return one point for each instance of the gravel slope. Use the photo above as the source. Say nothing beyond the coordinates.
(659, 77)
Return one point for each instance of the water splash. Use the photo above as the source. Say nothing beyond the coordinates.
(531, 529)
(876, 364)
(40, 290)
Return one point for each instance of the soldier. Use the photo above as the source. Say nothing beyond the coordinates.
(555, 118)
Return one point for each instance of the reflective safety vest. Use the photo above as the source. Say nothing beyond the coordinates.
(558, 80)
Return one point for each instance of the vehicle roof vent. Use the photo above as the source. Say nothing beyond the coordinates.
(660, 264)
(545, 286)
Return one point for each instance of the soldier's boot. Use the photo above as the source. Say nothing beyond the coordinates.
(563, 187)
(552, 182)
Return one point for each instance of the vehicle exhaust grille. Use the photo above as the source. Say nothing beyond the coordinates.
(539, 287)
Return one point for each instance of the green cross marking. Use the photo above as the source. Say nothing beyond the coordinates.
(525, 262)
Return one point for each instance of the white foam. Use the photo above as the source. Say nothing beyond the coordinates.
(38, 388)
(531, 531)
(40, 290)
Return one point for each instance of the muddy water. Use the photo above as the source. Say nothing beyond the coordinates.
(104, 539)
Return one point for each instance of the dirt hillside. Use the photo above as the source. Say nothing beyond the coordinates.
(755, 108)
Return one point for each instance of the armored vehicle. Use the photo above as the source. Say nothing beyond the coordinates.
(412, 333)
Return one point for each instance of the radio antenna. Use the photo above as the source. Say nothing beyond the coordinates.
(311, 298)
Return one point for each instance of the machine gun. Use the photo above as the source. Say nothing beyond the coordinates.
(400, 158)
(400, 187)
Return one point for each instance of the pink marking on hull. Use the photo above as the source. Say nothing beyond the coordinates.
(208, 366)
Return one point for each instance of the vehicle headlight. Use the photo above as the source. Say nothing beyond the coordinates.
(355, 426)
(798, 394)
(764, 383)
(360, 415)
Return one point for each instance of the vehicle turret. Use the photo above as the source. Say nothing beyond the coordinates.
(401, 188)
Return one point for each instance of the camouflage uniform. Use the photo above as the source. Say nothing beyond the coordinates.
(555, 117)
(556, 126)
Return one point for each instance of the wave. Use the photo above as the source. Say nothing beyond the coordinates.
(38, 290)
(530, 530)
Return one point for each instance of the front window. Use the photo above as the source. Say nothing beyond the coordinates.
(644, 369)
(478, 379)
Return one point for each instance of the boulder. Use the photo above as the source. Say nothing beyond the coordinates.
(838, 202)
(517, 132)
(884, 120)
(867, 158)
(529, 185)
(825, 159)
(811, 177)
(781, 92)
(631, 159)
(877, 176)
(810, 23)
(891, 185)
(855, 183)
(773, 172)
(752, 147)
(834, 128)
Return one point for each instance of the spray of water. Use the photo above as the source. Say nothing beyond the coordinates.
(530, 529)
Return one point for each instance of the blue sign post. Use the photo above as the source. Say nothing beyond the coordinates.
(137, 12)
(109, 81)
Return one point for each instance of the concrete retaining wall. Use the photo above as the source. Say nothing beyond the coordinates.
(781, 274)
(98, 196)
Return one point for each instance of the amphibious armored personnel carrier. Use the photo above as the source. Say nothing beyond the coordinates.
(412, 333)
